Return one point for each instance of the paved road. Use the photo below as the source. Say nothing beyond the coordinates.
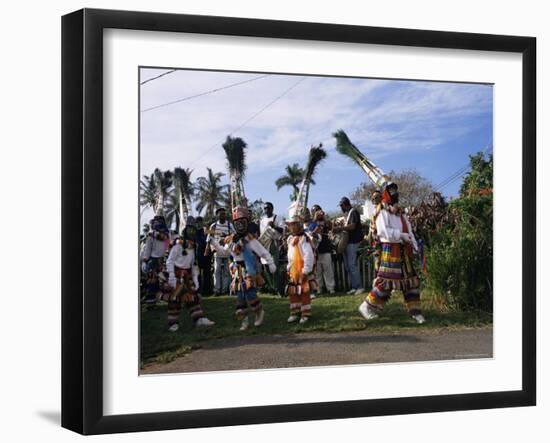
(322, 349)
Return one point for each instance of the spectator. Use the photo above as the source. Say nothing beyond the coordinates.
(352, 226)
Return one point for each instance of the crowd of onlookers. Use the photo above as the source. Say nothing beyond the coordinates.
(211, 267)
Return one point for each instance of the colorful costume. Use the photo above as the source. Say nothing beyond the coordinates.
(395, 270)
(301, 279)
(180, 270)
(152, 257)
(245, 249)
(246, 277)
(397, 242)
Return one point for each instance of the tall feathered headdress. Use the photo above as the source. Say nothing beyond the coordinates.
(345, 147)
(235, 154)
(316, 155)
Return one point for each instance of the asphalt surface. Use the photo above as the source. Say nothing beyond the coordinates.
(324, 349)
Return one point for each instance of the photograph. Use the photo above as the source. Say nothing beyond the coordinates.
(295, 221)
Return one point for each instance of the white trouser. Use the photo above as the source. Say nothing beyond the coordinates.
(221, 274)
(325, 271)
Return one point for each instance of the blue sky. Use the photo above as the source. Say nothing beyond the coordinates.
(429, 126)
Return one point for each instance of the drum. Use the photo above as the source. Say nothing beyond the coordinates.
(340, 241)
(269, 236)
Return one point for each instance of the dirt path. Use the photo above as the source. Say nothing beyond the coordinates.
(322, 349)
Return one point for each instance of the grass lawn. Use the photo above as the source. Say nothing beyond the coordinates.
(334, 313)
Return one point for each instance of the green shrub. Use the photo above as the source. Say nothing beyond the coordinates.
(460, 259)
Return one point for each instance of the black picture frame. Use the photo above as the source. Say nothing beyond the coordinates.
(82, 220)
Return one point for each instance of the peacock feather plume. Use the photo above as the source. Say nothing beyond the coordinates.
(316, 155)
(234, 148)
(345, 147)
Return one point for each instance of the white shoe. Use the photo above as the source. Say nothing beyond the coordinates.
(359, 291)
(292, 318)
(204, 322)
(174, 327)
(312, 296)
(304, 320)
(259, 318)
(419, 318)
(332, 292)
(351, 291)
(366, 311)
(244, 324)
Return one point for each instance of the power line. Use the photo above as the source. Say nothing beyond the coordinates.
(248, 120)
(158, 76)
(452, 177)
(204, 93)
(457, 174)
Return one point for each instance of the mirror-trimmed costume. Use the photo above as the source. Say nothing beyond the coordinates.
(153, 257)
(183, 285)
(301, 278)
(246, 277)
(395, 269)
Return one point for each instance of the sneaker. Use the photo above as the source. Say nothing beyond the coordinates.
(259, 318)
(351, 291)
(359, 291)
(366, 311)
(332, 292)
(174, 327)
(419, 318)
(244, 324)
(204, 322)
(304, 320)
(312, 296)
(292, 318)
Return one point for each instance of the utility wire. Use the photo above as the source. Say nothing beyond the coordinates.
(457, 174)
(204, 93)
(158, 76)
(252, 117)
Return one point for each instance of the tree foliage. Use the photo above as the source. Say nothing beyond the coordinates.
(480, 177)
(460, 256)
(293, 177)
(413, 188)
(211, 193)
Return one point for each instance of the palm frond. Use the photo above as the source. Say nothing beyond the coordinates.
(182, 181)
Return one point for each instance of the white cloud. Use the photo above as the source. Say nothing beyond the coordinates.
(380, 116)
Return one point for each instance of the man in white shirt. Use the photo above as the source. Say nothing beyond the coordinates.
(270, 220)
(395, 271)
(220, 229)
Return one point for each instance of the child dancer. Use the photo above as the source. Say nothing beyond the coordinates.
(300, 271)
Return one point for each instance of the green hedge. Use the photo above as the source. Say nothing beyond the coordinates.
(460, 259)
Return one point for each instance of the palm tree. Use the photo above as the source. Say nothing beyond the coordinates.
(183, 191)
(147, 196)
(211, 194)
(294, 176)
(154, 190)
